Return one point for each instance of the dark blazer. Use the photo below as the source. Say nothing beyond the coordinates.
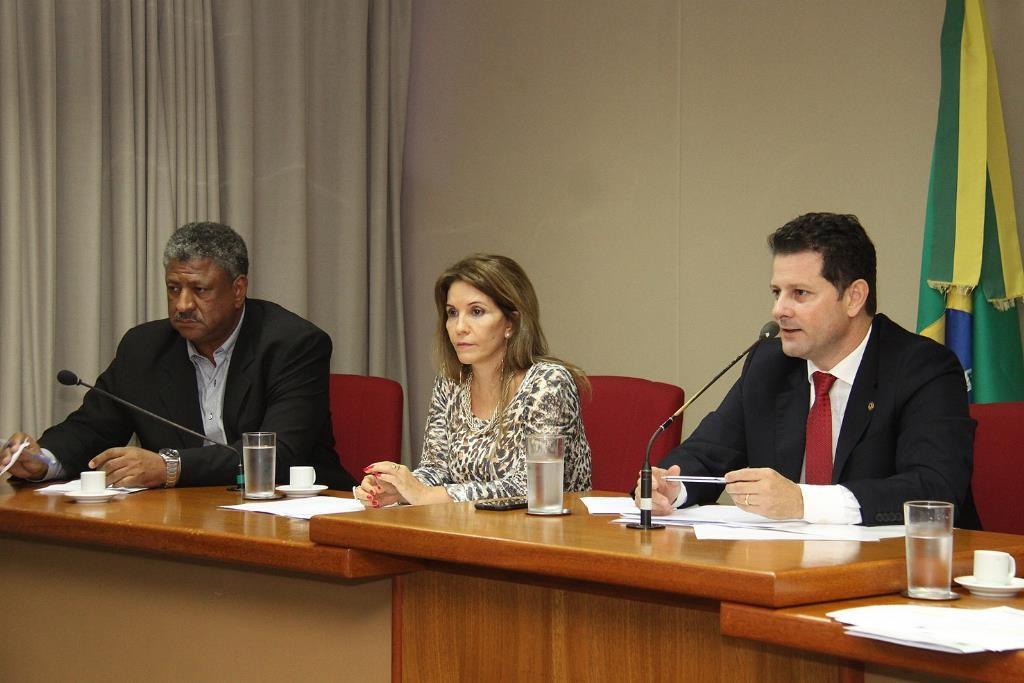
(277, 382)
(906, 434)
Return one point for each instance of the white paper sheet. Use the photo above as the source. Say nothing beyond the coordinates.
(76, 485)
(948, 629)
(721, 532)
(610, 505)
(721, 514)
(728, 522)
(302, 508)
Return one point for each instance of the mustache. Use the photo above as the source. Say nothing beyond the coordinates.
(186, 317)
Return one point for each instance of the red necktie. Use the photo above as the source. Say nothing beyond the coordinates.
(818, 469)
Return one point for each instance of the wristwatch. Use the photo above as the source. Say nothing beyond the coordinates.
(173, 462)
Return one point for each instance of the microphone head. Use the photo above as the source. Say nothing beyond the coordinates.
(67, 378)
(769, 331)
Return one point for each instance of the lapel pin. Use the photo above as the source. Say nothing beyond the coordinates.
(871, 406)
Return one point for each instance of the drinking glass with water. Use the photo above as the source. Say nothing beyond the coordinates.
(929, 526)
(545, 473)
(259, 460)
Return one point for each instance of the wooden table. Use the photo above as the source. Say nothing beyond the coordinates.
(516, 597)
(167, 583)
(806, 627)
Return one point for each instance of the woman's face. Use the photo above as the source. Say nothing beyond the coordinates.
(476, 326)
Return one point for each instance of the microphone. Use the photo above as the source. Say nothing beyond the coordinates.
(768, 331)
(70, 379)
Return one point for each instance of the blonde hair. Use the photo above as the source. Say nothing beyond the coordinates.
(506, 283)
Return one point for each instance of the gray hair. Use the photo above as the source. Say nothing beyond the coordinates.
(214, 241)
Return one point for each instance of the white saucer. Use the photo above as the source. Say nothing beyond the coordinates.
(93, 496)
(989, 590)
(301, 491)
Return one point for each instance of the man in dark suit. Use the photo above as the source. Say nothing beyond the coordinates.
(847, 415)
(220, 364)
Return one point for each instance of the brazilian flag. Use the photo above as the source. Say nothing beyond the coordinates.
(971, 272)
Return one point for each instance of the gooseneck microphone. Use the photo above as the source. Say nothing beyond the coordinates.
(768, 331)
(68, 378)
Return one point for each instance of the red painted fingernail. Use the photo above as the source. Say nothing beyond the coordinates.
(366, 469)
(376, 504)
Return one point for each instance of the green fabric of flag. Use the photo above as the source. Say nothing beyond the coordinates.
(971, 271)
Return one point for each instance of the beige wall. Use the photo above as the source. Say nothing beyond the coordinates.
(634, 155)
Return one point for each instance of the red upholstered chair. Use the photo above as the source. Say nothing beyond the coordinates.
(366, 413)
(619, 417)
(998, 480)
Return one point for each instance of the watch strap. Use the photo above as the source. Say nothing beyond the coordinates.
(172, 460)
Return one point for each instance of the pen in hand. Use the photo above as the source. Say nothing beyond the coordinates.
(15, 456)
(694, 479)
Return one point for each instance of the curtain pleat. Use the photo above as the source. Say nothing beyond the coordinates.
(28, 65)
(108, 145)
(312, 103)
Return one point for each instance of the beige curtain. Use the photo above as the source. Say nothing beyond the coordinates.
(312, 107)
(311, 99)
(107, 142)
(120, 120)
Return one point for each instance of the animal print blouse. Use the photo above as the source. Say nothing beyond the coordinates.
(473, 460)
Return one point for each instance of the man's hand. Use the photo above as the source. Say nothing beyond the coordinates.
(764, 491)
(27, 467)
(130, 466)
(663, 493)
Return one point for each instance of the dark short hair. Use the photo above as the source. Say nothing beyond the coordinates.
(847, 253)
(215, 241)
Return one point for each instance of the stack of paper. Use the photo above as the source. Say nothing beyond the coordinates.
(728, 522)
(946, 629)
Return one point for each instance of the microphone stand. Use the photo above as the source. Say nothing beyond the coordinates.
(68, 378)
(646, 476)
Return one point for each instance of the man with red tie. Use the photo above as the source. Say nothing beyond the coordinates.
(846, 415)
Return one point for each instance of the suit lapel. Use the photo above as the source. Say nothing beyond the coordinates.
(791, 407)
(236, 393)
(861, 405)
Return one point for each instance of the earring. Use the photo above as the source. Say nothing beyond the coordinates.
(507, 334)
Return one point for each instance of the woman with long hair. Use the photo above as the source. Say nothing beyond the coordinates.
(496, 385)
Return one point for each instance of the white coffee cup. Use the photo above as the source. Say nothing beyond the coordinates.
(994, 567)
(301, 477)
(94, 481)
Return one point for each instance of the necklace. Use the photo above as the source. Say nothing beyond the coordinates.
(477, 425)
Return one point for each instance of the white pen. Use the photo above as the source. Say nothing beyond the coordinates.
(694, 479)
(15, 456)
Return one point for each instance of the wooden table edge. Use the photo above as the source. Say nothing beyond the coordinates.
(824, 635)
(195, 544)
(700, 582)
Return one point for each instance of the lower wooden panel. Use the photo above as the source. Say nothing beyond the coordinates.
(462, 628)
(77, 614)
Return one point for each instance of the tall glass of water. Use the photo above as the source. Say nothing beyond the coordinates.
(545, 473)
(929, 525)
(259, 460)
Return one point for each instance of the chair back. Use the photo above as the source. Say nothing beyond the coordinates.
(366, 413)
(619, 416)
(997, 483)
